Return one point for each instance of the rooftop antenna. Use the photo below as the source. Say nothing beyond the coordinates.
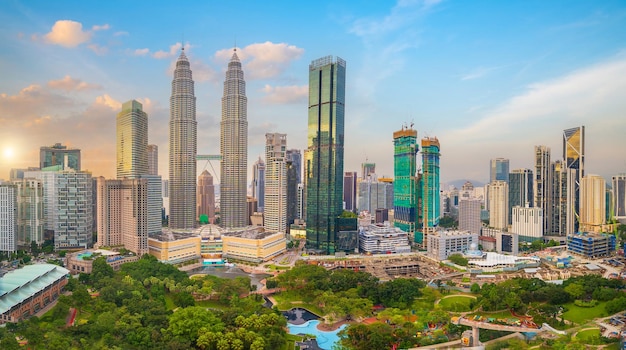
(183, 42)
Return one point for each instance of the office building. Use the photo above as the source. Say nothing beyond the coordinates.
(206, 196)
(542, 185)
(373, 194)
(59, 154)
(520, 189)
(499, 170)
(292, 193)
(619, 196)
(367, 170)
(183, 147)
(275, 210)
(499, 205)
(527, 223)
(591, 245)
(67, 206)
(574, 158)
(253, 244)
(295, 157)
(349, 190)
(324, 155)
(258, 182)
(507, 242)
(442, 244)
(469, 215)
(406, 181)
(592, 203)
(234, 147)
(383, 239)
(430, 186)
(8, 217)
(132, 140)
(382, 215)
(562, 221)
(153, 160)
(30, 212)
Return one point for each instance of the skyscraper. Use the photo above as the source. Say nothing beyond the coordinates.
(619, 196)
(430, 179)
(574, 158)
(499, 170)
(59, 154)
(498, 204)
(560, 193)
(30, 212)
(349, 190)
(258, 183)
(592, 203)
(153, 160)
(234, 147)
(206, 196)
(520, 189)
(324, 156)
(405, 180)
(183, 148)
(275, 210)
(132, 140)
(367, 169)
(543, 185)
(469, 215)
(295, 157)
(8, 217)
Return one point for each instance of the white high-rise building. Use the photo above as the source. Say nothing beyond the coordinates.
(527, 223)
(183, 148)
(234, 147)
(542, 186)
(499, 205)
(30, 211)
(275, 211)
(132, 140)
(67, 206)
(592, 203)
(469, 215)
(8, 217)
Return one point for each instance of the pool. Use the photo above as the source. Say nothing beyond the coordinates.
(325, 340)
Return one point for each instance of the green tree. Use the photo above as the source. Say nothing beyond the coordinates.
(475, 288)
(575, 290)
(458, 259)
(185, 323)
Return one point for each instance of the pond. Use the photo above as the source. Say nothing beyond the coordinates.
(230, 272)
(325, 340)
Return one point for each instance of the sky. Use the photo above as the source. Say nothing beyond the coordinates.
(489, 79)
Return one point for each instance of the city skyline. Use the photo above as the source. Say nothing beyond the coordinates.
(516, 88)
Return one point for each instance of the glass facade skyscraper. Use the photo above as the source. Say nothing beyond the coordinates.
(520, 189)
(499, 170)
(574, 158)
(132, 140)
(183, 147)
(542, 186)
(431, 207)
(234, 148)
(405, 183)
(57, 154)
(324, 156)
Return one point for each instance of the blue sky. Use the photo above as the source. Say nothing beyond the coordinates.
(488, 78)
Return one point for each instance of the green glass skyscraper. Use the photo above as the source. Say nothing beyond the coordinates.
(324, 156)
(405, 179)
(430, 195)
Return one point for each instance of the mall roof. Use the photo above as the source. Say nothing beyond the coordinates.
(19, 285)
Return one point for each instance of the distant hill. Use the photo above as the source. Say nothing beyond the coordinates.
(459, 183)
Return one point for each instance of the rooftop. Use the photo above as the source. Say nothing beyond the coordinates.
(19, 285)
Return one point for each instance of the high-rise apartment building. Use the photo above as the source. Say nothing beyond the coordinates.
(367, 169)
(8, 217)
(349, 190)
(122, 214)
(405, 185)
(430, 186)
(574, 158)
(619, 196)
(183, 148)
(206, 196)
(592, 203)
(520, 189)
(67, 206)
(275, 210)
(153, 159)
(562, 222)
(30, 212)
(234, 147)
(527, 223)
(59, 154)
(324, 156)
(258, 183)
(132, 140)
(542, 185)
(499, 205)
(499, 170)
(469, 215)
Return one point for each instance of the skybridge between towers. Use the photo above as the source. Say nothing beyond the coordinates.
(209, 158)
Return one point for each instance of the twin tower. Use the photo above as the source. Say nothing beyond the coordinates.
(184, 147)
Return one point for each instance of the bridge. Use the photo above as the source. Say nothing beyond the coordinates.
(209, 158)
(476, 325)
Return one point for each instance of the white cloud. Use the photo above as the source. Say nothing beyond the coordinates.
(264, 60)
(285, 94)
(102, 27)
(141, 52)
(70, 84)
(67, 33)
(108, 101)
(120, 33)
(97, 49)
(478, 73)
(174, 49)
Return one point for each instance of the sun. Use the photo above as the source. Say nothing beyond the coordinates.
(8, 153)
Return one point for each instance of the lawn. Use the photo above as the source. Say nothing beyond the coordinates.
(459, 303)
(581, 315)
(588, 334)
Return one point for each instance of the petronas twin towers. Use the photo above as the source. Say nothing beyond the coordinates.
(183, 147)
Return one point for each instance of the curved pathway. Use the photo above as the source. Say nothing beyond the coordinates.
(455, 295)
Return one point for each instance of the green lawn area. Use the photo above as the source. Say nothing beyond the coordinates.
(291, 339)
(278, 268)
(581, 315)
(588, 334)
(457, 303)
(211, 304)
(169, 302)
